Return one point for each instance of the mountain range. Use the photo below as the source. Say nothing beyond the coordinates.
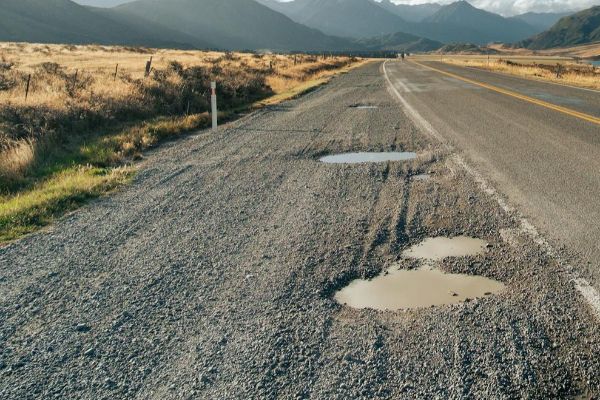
(461, 22)
(63, 21)
(411, 12)
(580, 28)
(542, 21)
(346, 18)
(233, 24)
(456, 22)
(298, 25)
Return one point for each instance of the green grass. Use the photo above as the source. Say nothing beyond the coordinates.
(81, 169)
(32, 209)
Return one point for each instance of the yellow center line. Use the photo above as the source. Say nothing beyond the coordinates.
(564, 110)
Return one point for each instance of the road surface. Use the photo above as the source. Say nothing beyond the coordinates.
(213, 275)
(546, 162)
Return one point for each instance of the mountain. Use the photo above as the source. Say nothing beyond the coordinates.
(234, 24)
(541, 21)
(580, 28)
(411, 12)
(457, 22)
(63, 21)
(461, 22)
(346, 18)
(400, 42)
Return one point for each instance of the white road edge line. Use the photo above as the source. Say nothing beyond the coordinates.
(587, 291)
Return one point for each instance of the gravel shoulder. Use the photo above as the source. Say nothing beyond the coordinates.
(212, 276)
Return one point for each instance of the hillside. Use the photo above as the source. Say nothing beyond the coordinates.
(541, 21)
(466, 48)
(345, 18)
(400, 42)
(234, 24)
(461, 22)
(577, 29)
(63, 21)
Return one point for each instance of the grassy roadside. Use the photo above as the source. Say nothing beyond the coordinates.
(44, 176)
(570, 73)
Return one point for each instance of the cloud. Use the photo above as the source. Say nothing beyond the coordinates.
(513, 7)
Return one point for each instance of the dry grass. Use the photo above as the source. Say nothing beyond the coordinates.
(16, 159)
(80, 117)
(98, 64)
(571, 73)
(583, 51)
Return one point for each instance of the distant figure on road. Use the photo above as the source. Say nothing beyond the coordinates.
(402, 56)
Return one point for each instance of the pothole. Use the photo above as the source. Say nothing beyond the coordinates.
(402, 289)
(398, 289)
(441, 247)
(367, 157)
(364, 106)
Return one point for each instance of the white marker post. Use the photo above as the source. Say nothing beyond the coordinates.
(213, 102)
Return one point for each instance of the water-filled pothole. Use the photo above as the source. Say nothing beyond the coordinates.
(402, 289)
(398, 289)
(441, 247)
(364, 106)
(367, 157)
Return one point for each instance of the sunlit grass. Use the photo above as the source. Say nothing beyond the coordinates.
(81, 126)
(585, 76)
(39, 206)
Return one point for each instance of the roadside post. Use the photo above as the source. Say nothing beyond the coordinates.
(213, 103)
(148, 67)
(27, 88)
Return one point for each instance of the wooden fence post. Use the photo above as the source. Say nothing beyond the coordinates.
(27, 88)
(116, 71)
(148, 67)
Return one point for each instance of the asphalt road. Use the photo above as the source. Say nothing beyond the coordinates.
(546, 163)
(212, 276)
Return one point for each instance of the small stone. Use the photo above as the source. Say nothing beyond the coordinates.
(453, 294)
(82, 328)
(90, 352)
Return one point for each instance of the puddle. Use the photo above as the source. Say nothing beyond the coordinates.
(407, 289)
(364, 107)
(401, 289)
(441, 247)
(367, 157)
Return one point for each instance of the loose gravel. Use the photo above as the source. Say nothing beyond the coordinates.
(212, 276)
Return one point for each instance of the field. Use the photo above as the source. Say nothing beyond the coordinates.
(552, 68)
(582, 51)
(73, 119)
